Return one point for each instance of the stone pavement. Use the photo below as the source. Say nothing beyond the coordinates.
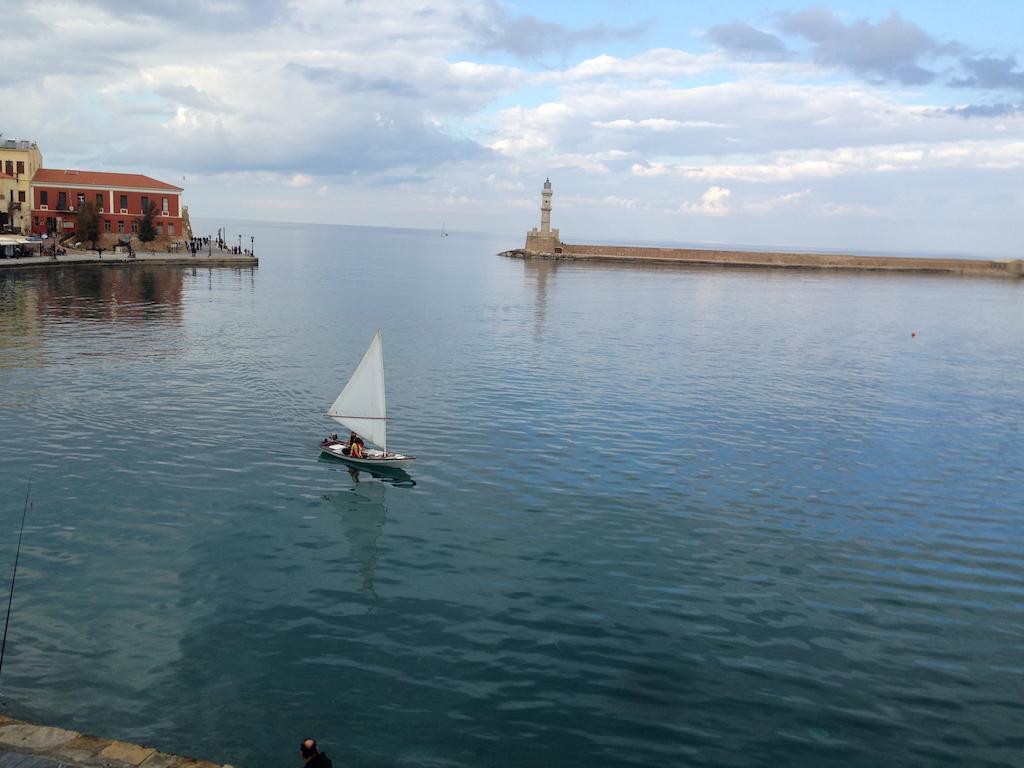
(23, 745)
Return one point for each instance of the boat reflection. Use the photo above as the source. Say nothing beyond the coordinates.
(363, 512)
(395, 476)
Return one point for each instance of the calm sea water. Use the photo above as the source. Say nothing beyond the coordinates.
(659, 516)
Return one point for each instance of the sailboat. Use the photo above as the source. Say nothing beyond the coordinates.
(443, 233)
(361, 408)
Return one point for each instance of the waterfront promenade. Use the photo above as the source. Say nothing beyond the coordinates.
(1012, 268)
(216, 258)
(23, 745)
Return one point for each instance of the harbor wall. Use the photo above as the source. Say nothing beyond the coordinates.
(712, 257)
(81, 258)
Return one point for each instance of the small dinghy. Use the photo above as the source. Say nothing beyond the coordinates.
(361, 408)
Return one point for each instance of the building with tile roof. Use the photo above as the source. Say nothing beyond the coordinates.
(58, 194)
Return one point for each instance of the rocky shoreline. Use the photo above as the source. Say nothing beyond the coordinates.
(39, 746)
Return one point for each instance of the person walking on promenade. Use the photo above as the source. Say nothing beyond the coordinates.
(312, 756)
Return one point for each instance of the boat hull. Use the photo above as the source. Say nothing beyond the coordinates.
(371, 456)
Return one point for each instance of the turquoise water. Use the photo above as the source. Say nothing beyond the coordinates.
(660, 516)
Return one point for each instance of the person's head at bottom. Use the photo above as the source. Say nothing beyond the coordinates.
(308, 749)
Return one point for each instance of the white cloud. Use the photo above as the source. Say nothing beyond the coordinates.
(698, 127)
(848, 210)
(845, 161)
(649, 169)
(656, 124)
(504, 184)
(620, 202)
(714, 202)
(773, 204)
(654, 64)
(529, 130)
(592, 163)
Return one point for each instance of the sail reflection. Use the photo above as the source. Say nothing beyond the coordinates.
(363, 512)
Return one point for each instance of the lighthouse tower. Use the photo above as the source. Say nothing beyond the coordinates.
(545, 208)
(545, 239)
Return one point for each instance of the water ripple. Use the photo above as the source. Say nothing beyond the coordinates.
(659, 517)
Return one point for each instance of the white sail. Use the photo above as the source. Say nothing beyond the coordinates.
(360, 406)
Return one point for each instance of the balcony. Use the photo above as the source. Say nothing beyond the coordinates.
(15, 205)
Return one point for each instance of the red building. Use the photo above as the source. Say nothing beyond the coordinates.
(121, 198)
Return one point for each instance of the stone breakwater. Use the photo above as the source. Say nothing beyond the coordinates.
(41, 746)
(72, 258)
(1013, 268)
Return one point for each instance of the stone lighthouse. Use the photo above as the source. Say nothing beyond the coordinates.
(545, 208)
(545, 239)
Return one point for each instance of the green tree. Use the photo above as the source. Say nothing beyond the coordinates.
(87, 228)
(147, 232)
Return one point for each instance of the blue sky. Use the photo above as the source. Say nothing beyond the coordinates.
(872, 126)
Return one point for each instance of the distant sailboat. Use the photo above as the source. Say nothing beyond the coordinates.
(361, 408)
(443, 233)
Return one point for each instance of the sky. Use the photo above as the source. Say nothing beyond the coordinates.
(862, 126)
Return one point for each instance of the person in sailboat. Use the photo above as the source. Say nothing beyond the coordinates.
(355, 446)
